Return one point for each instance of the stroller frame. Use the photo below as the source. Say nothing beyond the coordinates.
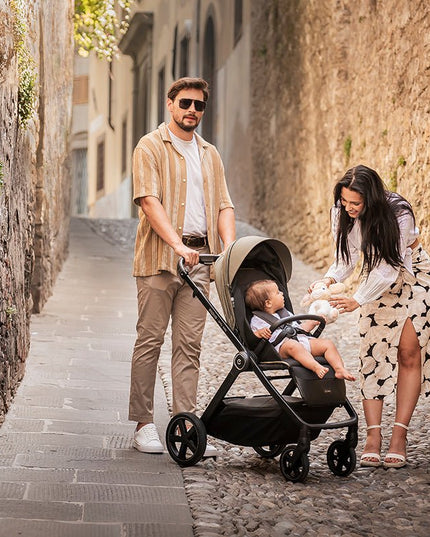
(186, 434)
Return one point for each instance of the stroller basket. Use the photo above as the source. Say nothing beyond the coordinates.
(256, 421)
(278, 421)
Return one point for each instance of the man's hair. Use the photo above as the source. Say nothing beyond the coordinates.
(187, 83)
(257, 293)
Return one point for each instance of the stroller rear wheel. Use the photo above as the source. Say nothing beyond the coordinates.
(186, 439)
(294, 471)
(341, 458)
(270, 451)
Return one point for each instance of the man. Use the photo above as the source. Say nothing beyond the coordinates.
(185, 209)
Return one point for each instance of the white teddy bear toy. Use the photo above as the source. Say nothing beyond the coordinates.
(318, 300)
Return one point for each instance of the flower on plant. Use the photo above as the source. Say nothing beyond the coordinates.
(98, 26)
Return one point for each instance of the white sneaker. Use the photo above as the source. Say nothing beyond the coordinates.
(146, 440)
(211, 451)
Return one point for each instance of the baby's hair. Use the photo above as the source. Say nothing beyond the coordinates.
(257, 293)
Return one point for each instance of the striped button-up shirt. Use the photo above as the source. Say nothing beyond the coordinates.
(159, 170)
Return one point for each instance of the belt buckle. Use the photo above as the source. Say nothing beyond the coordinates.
(194, 242)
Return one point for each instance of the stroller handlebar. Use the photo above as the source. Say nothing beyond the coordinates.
(204, 259)
(207, 259)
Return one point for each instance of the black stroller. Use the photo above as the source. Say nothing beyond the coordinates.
(273, 423)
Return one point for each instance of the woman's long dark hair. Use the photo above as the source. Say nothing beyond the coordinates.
(379, 226)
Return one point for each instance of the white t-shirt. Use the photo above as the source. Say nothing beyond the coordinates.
(195, 213)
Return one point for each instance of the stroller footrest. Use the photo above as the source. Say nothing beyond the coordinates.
(315, 391)
(269, 366)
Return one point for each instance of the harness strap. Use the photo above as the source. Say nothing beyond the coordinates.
(286, 331)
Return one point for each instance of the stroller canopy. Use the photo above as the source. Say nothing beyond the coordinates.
(270, 255)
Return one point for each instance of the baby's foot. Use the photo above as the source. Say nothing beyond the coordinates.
(320, 370)
(342, 373)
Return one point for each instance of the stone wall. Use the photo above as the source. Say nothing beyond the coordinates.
(35, 187)
(334, 84)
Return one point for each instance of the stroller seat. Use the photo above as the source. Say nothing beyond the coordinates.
(331, 391)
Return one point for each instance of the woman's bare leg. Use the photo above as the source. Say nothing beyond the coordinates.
(408, 386)
(373, 416)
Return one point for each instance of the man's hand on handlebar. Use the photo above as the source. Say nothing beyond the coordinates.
(191, 257)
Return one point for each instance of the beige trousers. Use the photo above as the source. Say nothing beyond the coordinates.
(159, 298)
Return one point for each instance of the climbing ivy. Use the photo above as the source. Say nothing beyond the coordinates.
(98, 27)
(27, 75)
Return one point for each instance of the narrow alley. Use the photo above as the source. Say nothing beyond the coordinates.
(66, 464)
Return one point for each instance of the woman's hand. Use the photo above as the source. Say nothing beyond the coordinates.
(344, 304)
(326, 281)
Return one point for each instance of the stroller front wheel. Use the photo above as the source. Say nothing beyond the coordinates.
(186, 439)
(294, 470)
(341, 458)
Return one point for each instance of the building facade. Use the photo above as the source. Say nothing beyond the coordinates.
(295, 102)
(126, 99)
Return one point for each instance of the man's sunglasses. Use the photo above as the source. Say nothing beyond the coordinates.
(186, 103)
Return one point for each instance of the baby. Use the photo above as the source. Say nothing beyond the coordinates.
(264, 295)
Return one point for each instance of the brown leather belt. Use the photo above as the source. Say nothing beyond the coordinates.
(194, 242)
(414, 244)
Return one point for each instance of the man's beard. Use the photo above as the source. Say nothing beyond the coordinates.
(186, 128)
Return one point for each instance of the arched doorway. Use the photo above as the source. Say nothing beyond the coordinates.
(208, 123)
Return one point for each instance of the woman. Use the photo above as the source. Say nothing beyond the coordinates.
(394, 299)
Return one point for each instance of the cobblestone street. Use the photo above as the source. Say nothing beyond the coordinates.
(242, 494)
(67, 468)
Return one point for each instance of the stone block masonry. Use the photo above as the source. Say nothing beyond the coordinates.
(336, 84)
(35, 179)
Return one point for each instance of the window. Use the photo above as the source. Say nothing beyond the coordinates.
(80, 89)
(124, 147)
(161, 94)
(209, 74)
(238, 20)
(100, 165)
(174, 52)
(183, 66)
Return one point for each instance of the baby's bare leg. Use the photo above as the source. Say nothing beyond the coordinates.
(326, 348)
(294, 349)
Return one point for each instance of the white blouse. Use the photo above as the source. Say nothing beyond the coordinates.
(383, 275)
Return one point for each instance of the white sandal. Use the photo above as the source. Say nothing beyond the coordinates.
(365, 456)
(400, 459)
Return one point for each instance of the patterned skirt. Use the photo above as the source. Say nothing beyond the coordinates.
(381, 324)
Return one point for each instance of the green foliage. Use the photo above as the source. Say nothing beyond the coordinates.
(27, 86)
(11, 311)
(27, 77)
(392, 183)
(347, 148)
(98, 27)
(262, 51)
(1, 175)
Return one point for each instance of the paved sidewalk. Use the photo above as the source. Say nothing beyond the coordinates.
(66, 467)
